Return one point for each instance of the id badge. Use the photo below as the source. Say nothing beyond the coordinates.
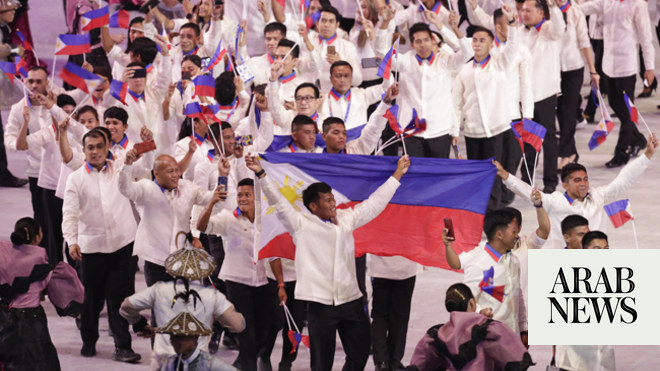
(245, 73)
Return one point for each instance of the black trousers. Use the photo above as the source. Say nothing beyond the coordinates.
(390, 314)
(53, 228)
(297, 309)
(38, 208)
(567, 104)
(154, 273)
(598, 47)
(361, 273)
(544, 114)
(107, 278)
(4, 171)
(484, 148)
(628, 133)
(352, 323)
(432, 147)
(256, 305)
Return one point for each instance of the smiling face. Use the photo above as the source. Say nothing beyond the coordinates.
(188, 39)
(245, 199)
(325, 207)
(166, 172)
(423, 44)
(117, 129)
(306, 101)
(577, 185)
(229, 140)
(88, 120)
(509, 235)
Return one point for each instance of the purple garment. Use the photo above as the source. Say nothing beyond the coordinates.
(61, 284)
(499, 347)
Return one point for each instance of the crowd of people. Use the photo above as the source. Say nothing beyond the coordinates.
(157, 161)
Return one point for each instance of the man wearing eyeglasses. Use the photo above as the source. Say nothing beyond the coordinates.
(307, 102)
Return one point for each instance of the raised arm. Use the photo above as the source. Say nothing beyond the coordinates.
(452, 258)
(631, 172)
(556, 26)
(289, 217)
(543, 231)
(370, 135)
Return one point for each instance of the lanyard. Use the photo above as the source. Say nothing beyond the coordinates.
(336, 95)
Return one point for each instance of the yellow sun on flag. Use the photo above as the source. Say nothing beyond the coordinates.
(290, 192)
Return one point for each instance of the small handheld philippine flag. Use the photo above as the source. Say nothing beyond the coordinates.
(634, 115)
(619, 212)
(119, 90)
(530, 132)
(194, 110)
(386, 64)
(599, 136)
(95, 18)
(217, 57)
(80, 77)
(8, 69)
(120, 19)
(68, 44)
(204, 85)
(26, 44)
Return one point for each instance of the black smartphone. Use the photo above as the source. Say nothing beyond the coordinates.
(151, 3)
(219, 2)
(371, 62)
(450, 228)
(140, 73)
(185, 75)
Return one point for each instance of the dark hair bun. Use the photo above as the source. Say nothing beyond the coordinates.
(18, 238)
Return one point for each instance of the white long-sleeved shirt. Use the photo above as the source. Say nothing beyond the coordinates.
(325, 252)
(426, 87)
(543, 42)
(392, 267)
(95, 215)
(347, 52)
(39, 118)
(625, 24)
(559, 205)
(200, 155)
(506, 272)
(368, 139)
(283, 117)
(286, 89)
(481, 94)
(238, 242)
(163, 213)
(352, 106)
(576, 37)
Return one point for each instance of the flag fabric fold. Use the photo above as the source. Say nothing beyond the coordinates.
(410, 225)
(95, 18)
(120, 19)
(80, 78)
(634, 115)
(194, 110)
(204, 85)
(386, 64)
(8, 69)
(530, 132)
(68, 44)
(119, 90)
(26, 44)
(599, 136)
(619, 212)
(220, 52)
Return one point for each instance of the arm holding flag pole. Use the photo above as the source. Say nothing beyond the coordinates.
(630, 173)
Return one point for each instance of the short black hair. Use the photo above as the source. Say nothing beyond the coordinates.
(419, 27)
(439, 35)
(328, 122)
(225, 90)
(515, 212)
(105, 131)
(483, 29)
(593, 235)
(103, 71)
(194, 58)
(136, 64)
(64, 100)
(88, 108)
(301, 120)
(275, 26)
(145, 48)
(132, 22)
(246, 182)
(339, 64)
(116, 113)
(569, 169)
(498, 14)
(573, 221)
(260, 88)
(39, 68)
(295, 53)
(312, 193)
(543, 6)
(497, 220)
(457, 298)
(333, 10)
(307, 85)
(94, 133)
(194, 27)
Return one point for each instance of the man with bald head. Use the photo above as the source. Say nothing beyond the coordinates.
(165, 205)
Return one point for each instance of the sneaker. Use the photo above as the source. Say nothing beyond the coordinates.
(125, 355)
(581, 124)
(88, 350)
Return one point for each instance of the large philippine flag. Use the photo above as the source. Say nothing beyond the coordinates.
(411, 225)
